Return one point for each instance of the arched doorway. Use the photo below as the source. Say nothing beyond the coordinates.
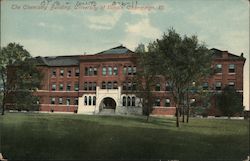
(108, 104)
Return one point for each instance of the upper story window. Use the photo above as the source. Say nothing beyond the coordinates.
(134, 86)
(218, 68)
(77, 72)
(94, 86)
(61, 72)
(218, 85)
(167, 102)
(60, 100)
(90, 71)
(231, 68)
(115, 85)
(69, 73)
(130, 72)
(61, 87)
(167, 87)
(85, 86)
(104, 71)
(157, 102)
(95, 70)
(110, 70)
(124, 70)
(52, 100)
(53, 87)
(109, 86)
(134, 70)
(68, 101)
(115, 71)
(76, 101)
(103, 85)
(76, 87)
(157, 87)
(205, 86)
(68, 87)
(53, 72)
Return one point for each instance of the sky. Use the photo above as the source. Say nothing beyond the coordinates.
(73, 27)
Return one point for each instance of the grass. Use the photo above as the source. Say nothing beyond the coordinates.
(72, 137)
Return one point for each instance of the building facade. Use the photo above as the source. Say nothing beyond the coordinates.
(103, 82)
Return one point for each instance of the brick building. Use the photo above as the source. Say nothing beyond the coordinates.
(102, 82)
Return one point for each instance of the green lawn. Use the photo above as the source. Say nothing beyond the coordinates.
(71, 137)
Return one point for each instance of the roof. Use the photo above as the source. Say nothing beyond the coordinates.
(117, 50)
(58, 60)
(218, 54)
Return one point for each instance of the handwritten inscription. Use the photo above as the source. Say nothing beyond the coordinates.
(52, 5)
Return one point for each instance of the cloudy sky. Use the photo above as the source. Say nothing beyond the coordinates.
(53, 27)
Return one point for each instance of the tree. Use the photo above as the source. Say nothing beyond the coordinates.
(19, 76)
(183, 61)
(147, 67)
(229, 102)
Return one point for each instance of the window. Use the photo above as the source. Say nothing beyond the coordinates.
(90, 86)
(104, 71)
(129, 101)
(134, 86)
(60, 100)
(95, 71)
(231, 84)
(115, 85)
(218, 68)
(94, 100)
(123, 101)
(76, 87)
(69, 73)
(157, 87)
(110, 70)
(68, 87)
(77, 72)
(85, 86)
(52, 100)
(129, 70)
(90, 72)
(90, 100)
(68, 101)
(134, 70)
(109, 85)
(53, 73)
(94, 86)
(231, 68)
(124, 86)
(115, 71)
(129, 86)
(61, 87)
(53, 87)
(86, 71)
(103, 85)
(192, 102)
(168, 87)
(61, 72)
(124, 70)
(167, 102)
(76, 101)
(133, 101)
(218, 85)
(157, 102)
(85, 100)
(205, 86)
